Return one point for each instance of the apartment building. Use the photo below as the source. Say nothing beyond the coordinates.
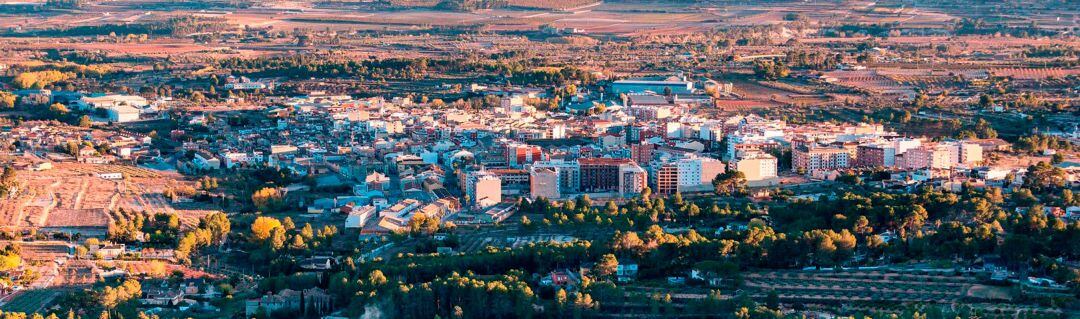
(817, 158)
(756, 166)
(599, 175)
(518, 155)
(544, 182)
(632, 179)
(569, 174)
(487, 190)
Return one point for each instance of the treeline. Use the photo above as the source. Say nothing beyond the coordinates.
(176, 26)
(165, 231)
(488, 284)
(829, 231)
(65, 4)
(272, 242)
(89, 58)
(1051, 51)
(873, 29)
(472, 5)
(1038, 143)
(115, 299)
(40, 79)
(978, 26)
(306, 66)
(521, 74)
(814, 60)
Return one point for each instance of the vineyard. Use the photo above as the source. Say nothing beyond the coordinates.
(1034, 73)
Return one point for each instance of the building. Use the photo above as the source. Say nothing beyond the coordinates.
(626, 271)
(756, 166)
(244, 83)
(205, 161)
(359, 216)
(569, 174)
(122, 114)
(600, 175)
(816, 158)
(875, 155)
(518, 155)
(687, 175)
(930, 156)
(632, 179)
(544, 182)
(970, 153)
(110, 101)
(642, 152)
(667, 179)
(396, 217)
(497, 213)
(697, 173)
(487, 190)
(676, 85)
(557, 131)
(33, 96)
(377, 181)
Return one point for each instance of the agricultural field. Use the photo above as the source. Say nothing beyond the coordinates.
(29, 301)
(72, 196)
(872, 285)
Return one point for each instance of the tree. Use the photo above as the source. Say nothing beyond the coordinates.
(40, 79)
(84, 121)
(7, 100)
(627, 242)
(263, 227)
(297, 243)
(267, 199)
(1043, 177)
(607, 265)
(770, 70)
(277, 238)
(288, 223)
(218, 224)
(58, 110)
(986, 101)
(1057, 158)
(377, 278)
(729, 183)
(8, 181)
(9, 262)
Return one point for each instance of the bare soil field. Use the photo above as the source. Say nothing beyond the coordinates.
(71, 197)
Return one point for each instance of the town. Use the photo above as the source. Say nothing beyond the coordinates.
(539, 159)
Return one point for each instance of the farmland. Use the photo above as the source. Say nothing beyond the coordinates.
(85, 201)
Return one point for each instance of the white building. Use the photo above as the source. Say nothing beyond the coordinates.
(206, 161)
(122, 114)
(359, 216)
(111, 101)
(697, 173)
